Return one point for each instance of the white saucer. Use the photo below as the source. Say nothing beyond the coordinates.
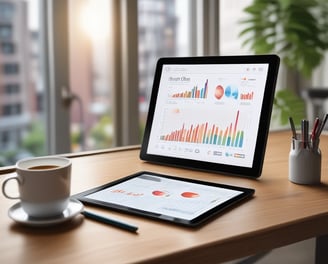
(17, 213)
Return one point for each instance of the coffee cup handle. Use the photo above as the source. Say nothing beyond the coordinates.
(6, 180)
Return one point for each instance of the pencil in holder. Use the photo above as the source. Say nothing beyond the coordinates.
(305, 162)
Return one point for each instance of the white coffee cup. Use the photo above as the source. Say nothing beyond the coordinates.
(44, 185)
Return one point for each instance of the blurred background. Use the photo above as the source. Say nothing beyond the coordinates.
(76, 75)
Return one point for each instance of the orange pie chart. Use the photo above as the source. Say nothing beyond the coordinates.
(189, 194)
(219, 92)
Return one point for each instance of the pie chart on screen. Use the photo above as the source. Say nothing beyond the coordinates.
(219, 92)
(231, 91)
(189, 195)
(160, 193)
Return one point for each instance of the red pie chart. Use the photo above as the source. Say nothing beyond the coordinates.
(160, 193)
(189, 195)
(219, 92)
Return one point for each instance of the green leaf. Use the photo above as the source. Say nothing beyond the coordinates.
(288, 104)
(295, 30)
(256, 8)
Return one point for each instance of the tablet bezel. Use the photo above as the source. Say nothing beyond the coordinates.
(245, 193)
(264, 122)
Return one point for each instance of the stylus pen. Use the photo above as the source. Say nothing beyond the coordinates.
(110, 221)
(292, 125)
(305, 133)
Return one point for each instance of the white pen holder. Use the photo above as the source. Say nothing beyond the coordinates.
(304, 162)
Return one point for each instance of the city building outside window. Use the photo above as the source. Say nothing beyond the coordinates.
(7, 48)
(164, 28)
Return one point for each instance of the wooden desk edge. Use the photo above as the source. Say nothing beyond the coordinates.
(10, 169)
(251, 243)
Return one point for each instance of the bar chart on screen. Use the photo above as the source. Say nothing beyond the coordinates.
(208, 112)
(193, 92)
(208, 133)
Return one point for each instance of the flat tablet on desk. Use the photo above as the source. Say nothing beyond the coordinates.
(179, 200)
(211, 113)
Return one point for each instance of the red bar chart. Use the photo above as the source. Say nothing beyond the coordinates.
(206, 133)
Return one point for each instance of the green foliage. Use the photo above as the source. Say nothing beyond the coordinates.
(7, 157)
(76, 138)
(289, 104)
(297, 30)
(33, 144)
(102, 134)
(34, 141)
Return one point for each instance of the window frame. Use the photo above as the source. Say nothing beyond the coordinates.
(54, 16)
(55, 72)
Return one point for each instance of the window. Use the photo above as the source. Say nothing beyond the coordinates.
(10, 68)
(21, 125)
(92, 70)
(6, 32)
(6, 10)
(166, 24)
(4, 138)
(230, 16)
(91, 122)
(12, 88)
(83, 69)
(12, 109)
(7, 48)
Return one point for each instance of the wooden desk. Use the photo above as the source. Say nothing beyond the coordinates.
(281, 213)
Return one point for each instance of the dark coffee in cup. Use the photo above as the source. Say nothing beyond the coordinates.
(43, 167)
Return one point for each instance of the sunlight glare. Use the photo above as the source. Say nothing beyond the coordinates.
(95, 19)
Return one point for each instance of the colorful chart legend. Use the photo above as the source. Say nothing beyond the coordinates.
(194, 92)
(208, 134)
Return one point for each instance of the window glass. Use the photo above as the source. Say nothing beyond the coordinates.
(164, 30)
(7, 10)
(91, 112)
(6, 31)
(10, 68)
(21, 124)
(7, 48)
(231, 13)
(11, 88)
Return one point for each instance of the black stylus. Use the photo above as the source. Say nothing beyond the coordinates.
(110, 221)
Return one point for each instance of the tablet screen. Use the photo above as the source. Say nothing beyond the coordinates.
(165, 197)
(188, 114)
(210, 112)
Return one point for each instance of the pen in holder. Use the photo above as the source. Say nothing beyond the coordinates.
(304, 161)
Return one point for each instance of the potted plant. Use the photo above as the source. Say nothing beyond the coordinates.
(296, 30)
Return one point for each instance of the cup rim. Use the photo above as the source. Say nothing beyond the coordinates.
(38, 161)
